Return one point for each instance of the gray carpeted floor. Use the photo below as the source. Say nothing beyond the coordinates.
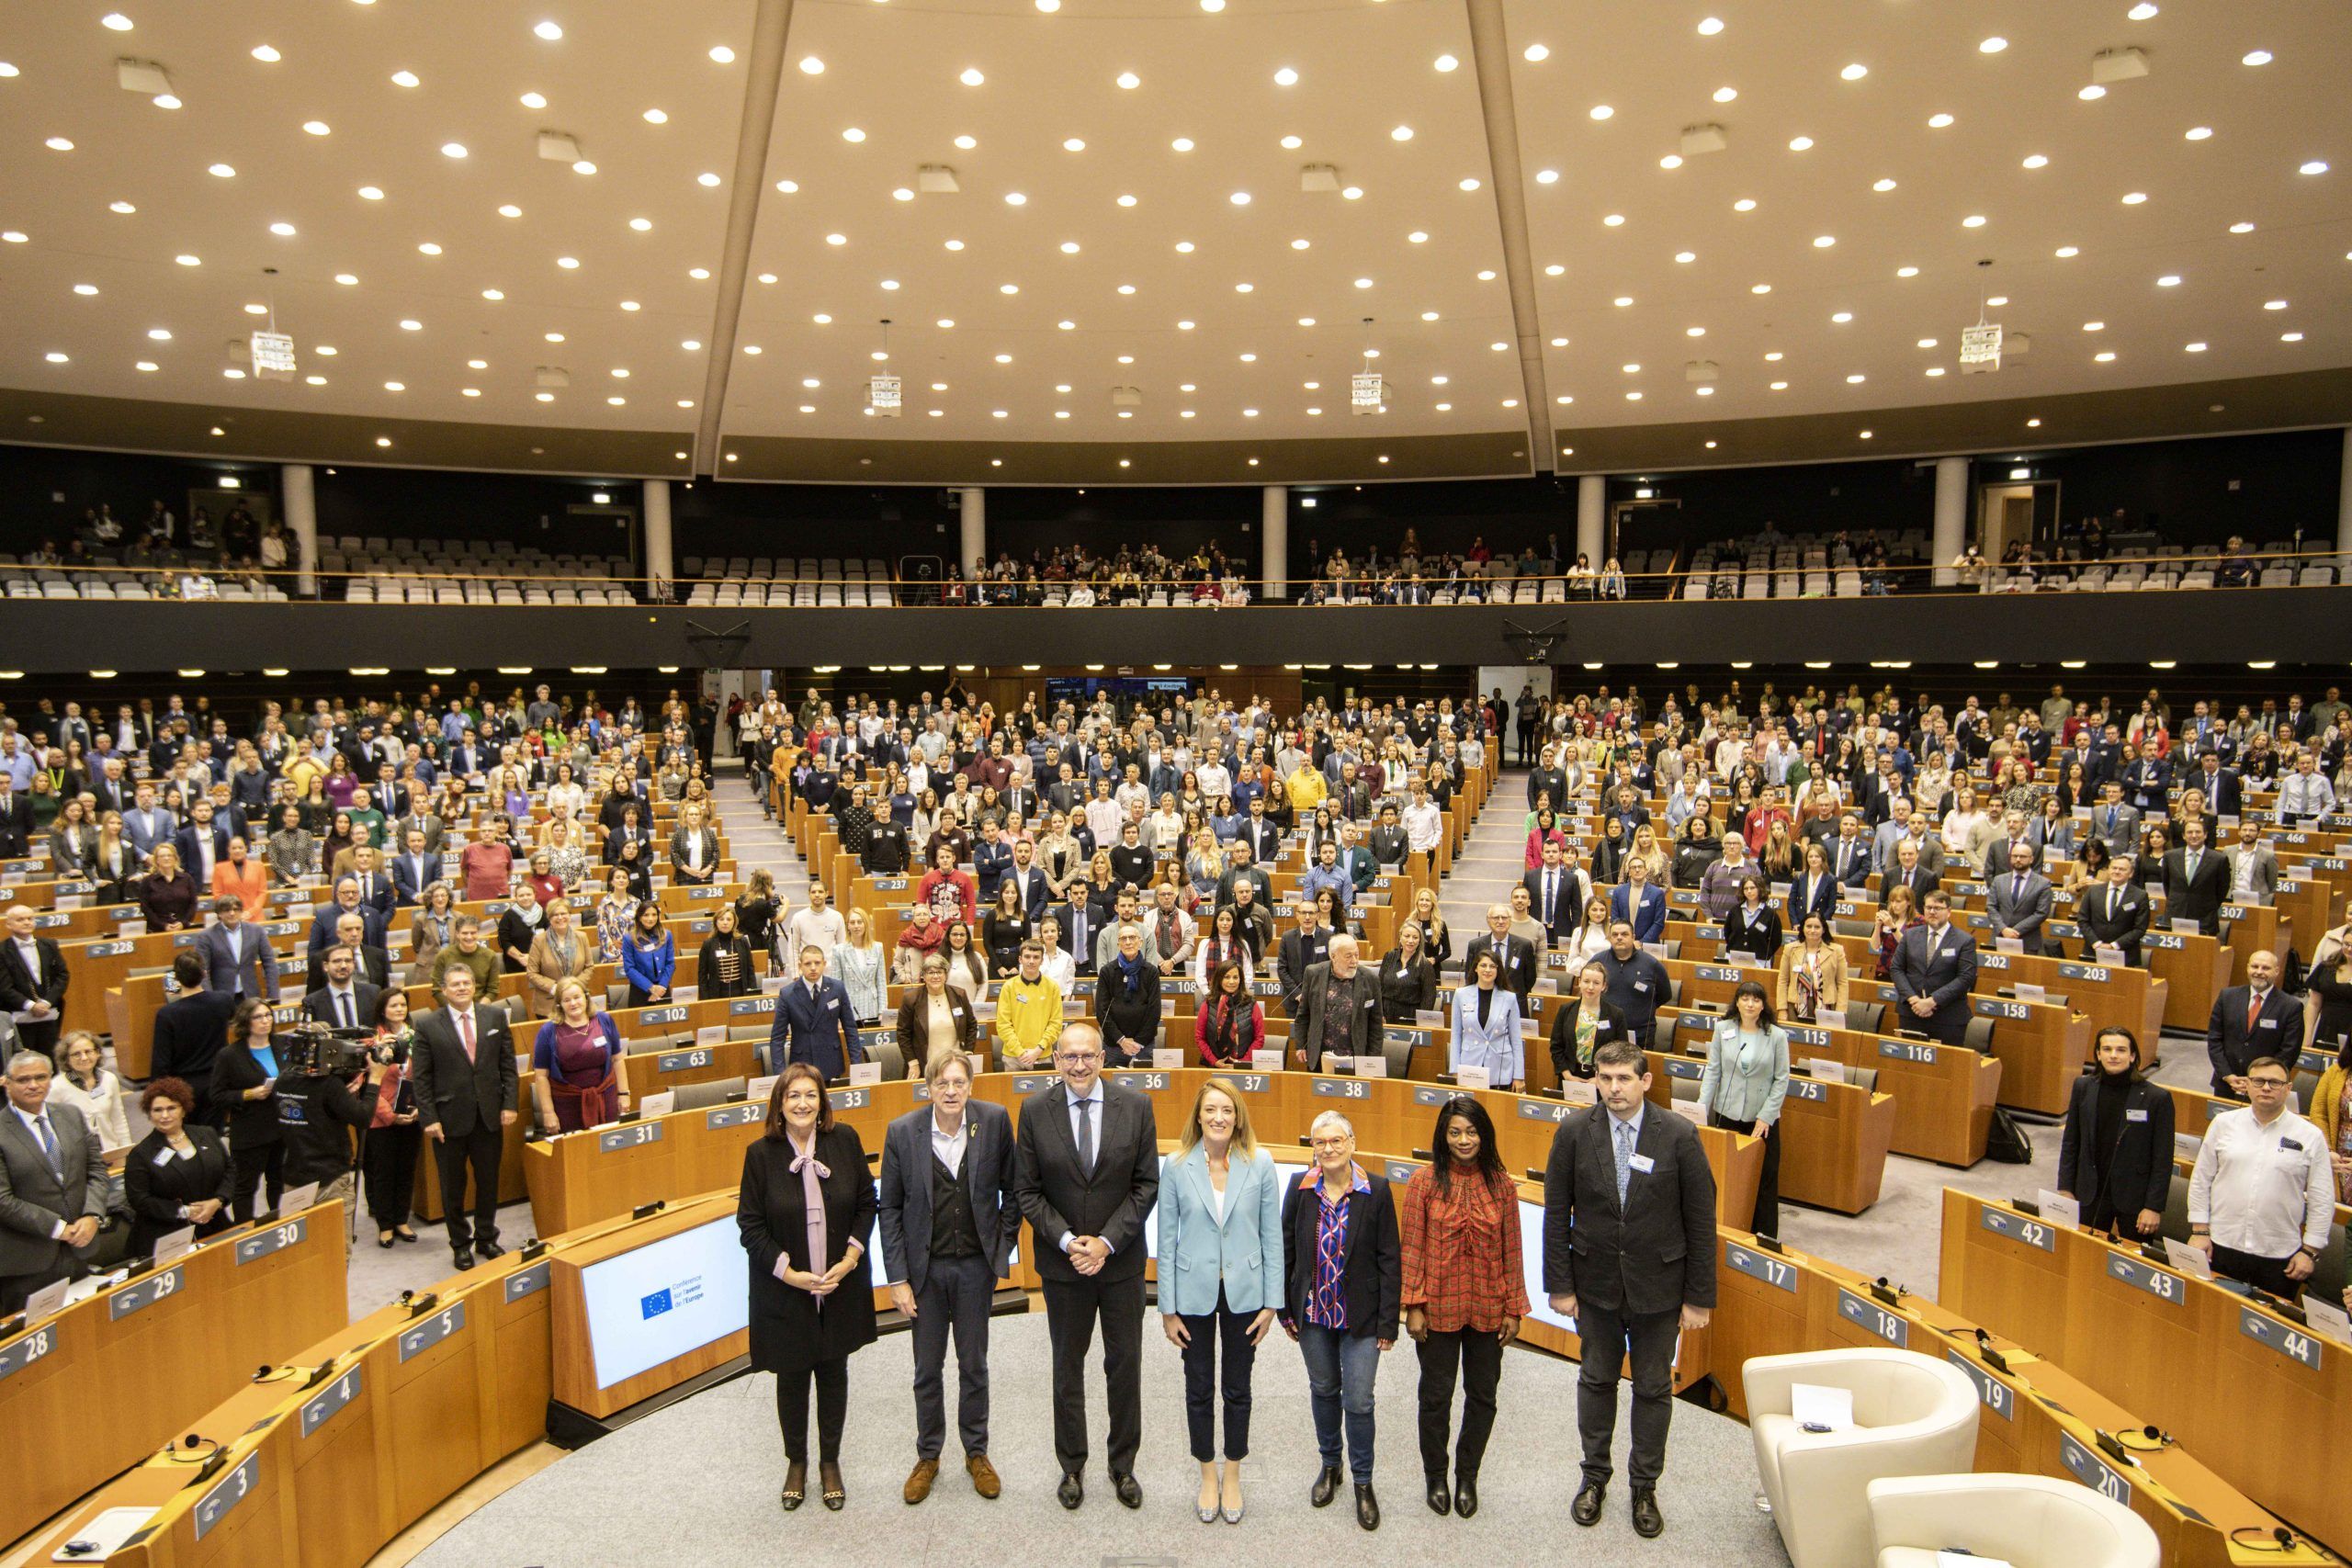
(697, 1482)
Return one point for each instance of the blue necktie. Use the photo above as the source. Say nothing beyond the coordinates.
(1624, 1158)
(48, 1147)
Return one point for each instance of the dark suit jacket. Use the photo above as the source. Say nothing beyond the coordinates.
(1519, 963)
(789, 1329)
(2123, 928)
(374, 969)
(822, 1030)
(1656, 1252)
(1363, 1019)
(1813, 898)
(1565, 910)
(224, 968)
(2139, 1174)
(988, 1183)
(2024, 915)
(457, 1095)
(1649, 919)
(189, 1034)
(1613, 1027)
(34, 1197)
(1947, 980)
(1371, 1270)
(1059, 1201)
(18, 987)
(317, 1007)
(2230, 1044)
(2200, 899)
(408, 883)
(323, 926)
(1129, 1024)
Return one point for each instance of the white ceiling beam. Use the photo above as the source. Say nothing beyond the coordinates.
(1490, 55)
(762, 85)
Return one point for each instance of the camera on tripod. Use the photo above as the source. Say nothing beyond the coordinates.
(318, 1050)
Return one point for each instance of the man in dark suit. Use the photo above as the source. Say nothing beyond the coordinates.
(1629, 1253)
(413, 869)
(2018, 901)
(814, 1022)
(1261, 833)
(1515, 959)
(2122, 1184)
(1087, 1173)
(463, 1069)
(33, 981)
(190, 1030)
(369, 962)
(52, 1185)
(1849, 852)
(949, 1218)
(1301, 949)
(2196, 880)
(342, 1000)
(1556, 894)
(1935, 965)
(237, 956)
(323, 931)
(2257, 1019)
(1339, 986)
(15, 820)
(2219, 785)
(2113, 914)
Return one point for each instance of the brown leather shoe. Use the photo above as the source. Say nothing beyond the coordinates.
(983, 1474)
(919, 1478)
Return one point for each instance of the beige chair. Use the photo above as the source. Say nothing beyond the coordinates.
(1914, 1414)
(2033, 1521)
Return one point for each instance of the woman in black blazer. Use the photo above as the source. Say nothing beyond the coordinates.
(2115, 1157)
(245, 1083)
(1585, 1025)
(1753, 927)
(808, 1315)
(177, 1175)
(1408, 977)
(915, 1042)
(1127, 1002)
(723, 968)
(1813, 891)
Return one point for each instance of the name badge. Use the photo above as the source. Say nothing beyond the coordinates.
(1643, 1163)
(1642, 985)
(2267, 1023)
(2135, 1116)
(834, 1003)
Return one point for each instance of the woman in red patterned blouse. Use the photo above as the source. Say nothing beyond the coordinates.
(1464, 1290)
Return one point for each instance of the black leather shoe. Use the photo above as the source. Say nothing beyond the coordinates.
(463, 1256)
(1647, 1521)
(489, 1249)
(1466, 1495)
(1367, 1507)
(1129, 1489)
(1326, 1487)
(1072, 1491)
(1586, 1509)
(1441, 1500)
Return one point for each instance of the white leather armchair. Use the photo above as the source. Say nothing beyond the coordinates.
(1914, 1414)
(2033, 1521)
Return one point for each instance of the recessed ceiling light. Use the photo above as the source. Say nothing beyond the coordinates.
(1615, 220)
(326, 351)
(2105, 357)
(2133, 198)
(1780, 386)
(116, 20)
(1823, 241)
(261, 51)
(1622, 300)
(1486, 277)
(394, 387)
(2274, 304)
(544, 397)
(2067, 252)
(54, 357)
(530, 100)
(283, 231)
(148, 365)
(429, 248)
(1127, 200)
(2036, 160)
(1184, 247)
(2241, 228)
(2290, 337)
(1774, 356)
(1761, 288)
(1555, 270)
(2314, 166)
(1800, 143)
(1129, 80)
(1015, 199)
(2197, 132)
(1939, 121)
(1993, 46)
(509, 211)
(222, 172)
(189, 260)
(966, 142)
(1182, 144)
(1855, 380)
(470, 392)
(1726, 94)
(1710, 25)
(1447, 62)
(1402, 133)
(1745, 204)
(1464, 184)
(1906, 272)
(2169, 280)
(1842, 317)
(124, 208)
(705, 179)
(2092, 93)
(551, 31)
(372, 193)
(2255, 57)
(318, 126)
(2142, 12)
(1973, 221)
(656, 117)
(567, 263)
(971, 77)
(1997, 299)
(85, 288)
(852, 134)
(1632, 397)
(1855, 73)
(1286, 77)
(1883, 187)
(477, 364)
(1602, 111)
(453, 149)
(1008, 288)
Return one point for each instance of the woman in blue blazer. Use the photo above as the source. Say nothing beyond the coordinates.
(1743, 1085)
(1486, 1026)
(648, 956)
(1814, 891)
(1220, 1276)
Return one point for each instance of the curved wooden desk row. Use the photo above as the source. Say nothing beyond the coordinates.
(325, 1472)
(89, 1391)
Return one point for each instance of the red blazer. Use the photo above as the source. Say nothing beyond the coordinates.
(1250, 1033)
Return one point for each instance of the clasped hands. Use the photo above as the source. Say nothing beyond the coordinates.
(1694, 1318)
(1089, 1253)
(821, 1285)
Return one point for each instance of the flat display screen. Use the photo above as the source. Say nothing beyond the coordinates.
(665, 1298)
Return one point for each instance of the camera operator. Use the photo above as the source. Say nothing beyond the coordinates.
(318, 1104)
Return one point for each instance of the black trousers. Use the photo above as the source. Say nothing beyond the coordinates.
(387, 1163)
(1202, 1387)
(17, 1289)
(248, 1165)
(831, 1378)
(1072, 1308)
(2262, 1273)
(1610, 1335)
(956, 1296)
(478, 1151)
(1767, 1220)
(1478, 1356)
(39, 1035)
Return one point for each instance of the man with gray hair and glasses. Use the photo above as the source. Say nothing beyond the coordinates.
(52, 1185)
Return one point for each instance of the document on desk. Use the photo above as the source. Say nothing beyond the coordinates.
(2059, 1207)
(1813, 1404)
(2326, 1317)
(2188, 1259)
(1825, 1069)
(106, 1534)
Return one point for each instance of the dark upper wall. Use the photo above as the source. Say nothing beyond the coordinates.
(47, 489)
(2198, 492)
(1803, 498)
(414, 504)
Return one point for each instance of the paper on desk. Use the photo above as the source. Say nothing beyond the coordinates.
(47, 1302)
(864, 1075)
(2059, 1207)
(2326, 1317)
(2008, 944)
(2188, 1259)
(2026, 993)
(1469, 1077)
(171, 1244)
(1269, 1061)
(107, 1533)
(1826, 1070)
(760, 1087)
(660, 1104)
(1811, 1405)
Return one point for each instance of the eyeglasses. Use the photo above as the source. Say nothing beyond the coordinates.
(2267, 1083)
(1330, 1144)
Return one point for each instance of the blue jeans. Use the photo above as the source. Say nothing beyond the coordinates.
(1340, 1371)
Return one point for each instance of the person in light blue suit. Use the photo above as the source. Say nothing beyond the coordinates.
(1220, 1276)
(1485, 1025)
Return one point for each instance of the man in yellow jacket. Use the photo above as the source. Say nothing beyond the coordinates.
(1306, 789)
(1028, 1012)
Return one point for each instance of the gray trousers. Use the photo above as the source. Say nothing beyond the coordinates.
(956, 1296)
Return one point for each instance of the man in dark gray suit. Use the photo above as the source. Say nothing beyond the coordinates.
(1934, 970)
(237, 956)
(1088, 1173)
(2018, 901)
(52, 1185)
(1629, 1253)
(1339, 1008)
(949, 1218)
(463, 1068)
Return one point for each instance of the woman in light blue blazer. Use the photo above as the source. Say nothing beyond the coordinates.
(1746, 1079)
(1486, 1026)
(1220, 1276)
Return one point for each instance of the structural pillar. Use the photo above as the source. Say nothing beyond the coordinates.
(1273, 541)
(1592, 520)
(660, 571)
(975, 552)
(2343, 504)
(1951, 518)
(300, 504)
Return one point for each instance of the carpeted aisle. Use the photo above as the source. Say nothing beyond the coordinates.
(697, 1482)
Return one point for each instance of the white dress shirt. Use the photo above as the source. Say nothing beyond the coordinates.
(2263, 1190)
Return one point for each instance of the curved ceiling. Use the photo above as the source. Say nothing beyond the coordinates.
(1510, 175)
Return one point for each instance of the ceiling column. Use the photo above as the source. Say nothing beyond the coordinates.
(1951, 518)
(299, 499)
(1592, 519)
(654, 518)
(975, 553)
(1273, 541)
(1490, 52)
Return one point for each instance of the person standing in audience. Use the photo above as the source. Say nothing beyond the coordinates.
(859, 963)
(1629, 1255)
(559, 952)
(1231, 1024)
(1633, 980)
(648, 956)
(1408, 977)
(2249, 1022)
(387, 1150)
(1813, 976)
(1343, 1287)
(463, 1069)
(2017, 902)
(2261, 1197)
(576, 1064)
(55, 1174)
(33, 981)
(1744, 1086)
(1126, 1001)
(83, 1082)
(2196, 880)
(2113, 913)
(2254, 866)
(1339, 1008)
(936, 1020)
(805, 1210)
(814, 1022)
(1464, 1291)
(176, 1175)
(2115, 1155)
(1934, 969)
(1221, 1233)
(245, 1082)
(1485, 1025)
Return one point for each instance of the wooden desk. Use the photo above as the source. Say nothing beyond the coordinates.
(2256, 1394)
